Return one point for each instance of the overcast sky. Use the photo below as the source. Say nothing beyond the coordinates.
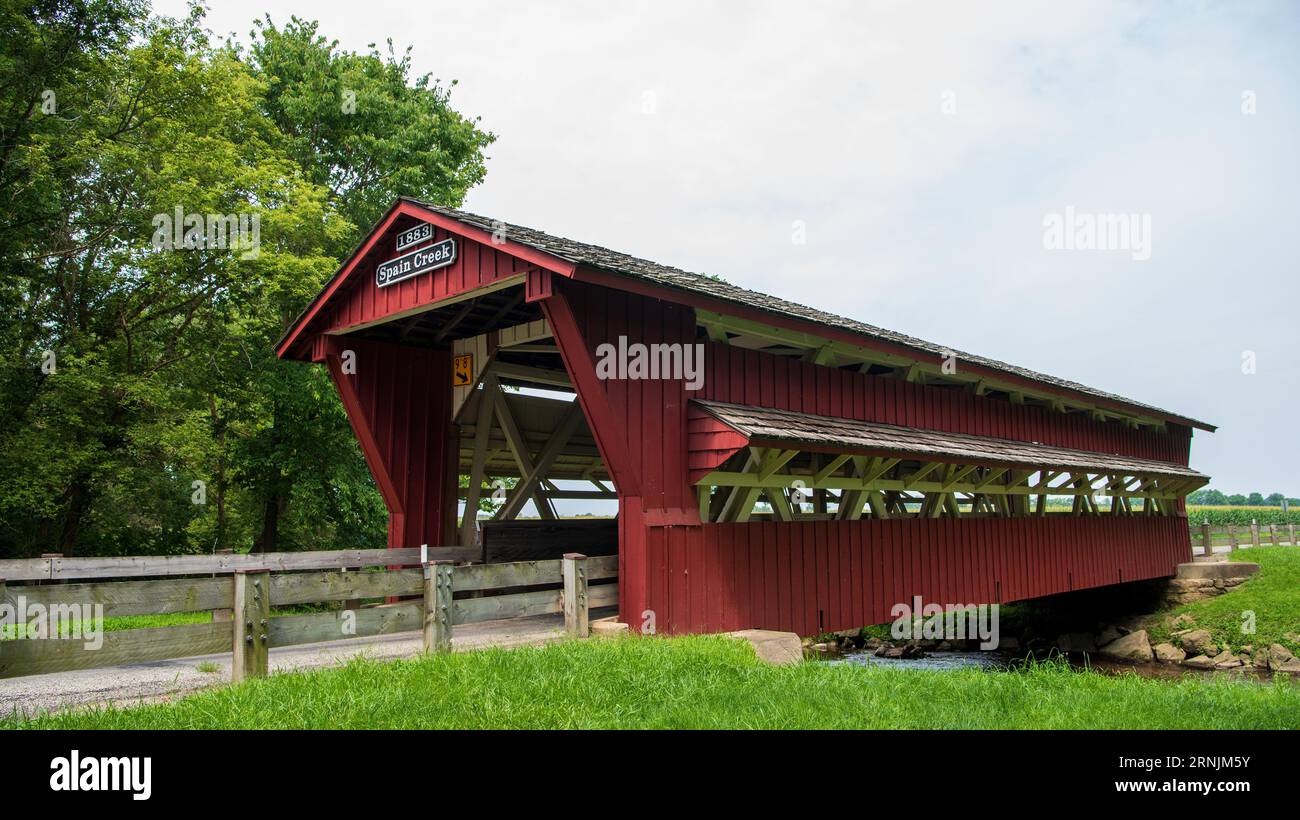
(922, 146)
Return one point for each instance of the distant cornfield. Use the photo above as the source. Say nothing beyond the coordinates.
(1241, 516)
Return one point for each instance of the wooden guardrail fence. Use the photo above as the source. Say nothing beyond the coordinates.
(58, 568)
(252, 591)
(1208, 537)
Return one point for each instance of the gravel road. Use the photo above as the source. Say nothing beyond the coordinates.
(163, 680)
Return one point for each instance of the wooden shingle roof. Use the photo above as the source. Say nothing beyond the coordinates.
(766, 426)
(667, 276)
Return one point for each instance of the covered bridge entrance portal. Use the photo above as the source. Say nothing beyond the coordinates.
(773, 466)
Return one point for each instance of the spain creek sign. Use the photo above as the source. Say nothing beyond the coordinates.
(438, 255)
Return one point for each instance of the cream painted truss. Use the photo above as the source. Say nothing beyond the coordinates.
(848, 487)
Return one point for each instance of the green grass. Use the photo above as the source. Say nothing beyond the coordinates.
(120, 623)
(1273, 595)
(704, 682)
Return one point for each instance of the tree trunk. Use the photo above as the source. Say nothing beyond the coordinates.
(219, 425)
(269, 538)
(78, 503)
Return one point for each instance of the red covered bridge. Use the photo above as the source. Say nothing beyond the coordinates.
(775, 466)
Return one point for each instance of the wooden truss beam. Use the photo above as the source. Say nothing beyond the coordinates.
(781, 507)
(568, 425)
(957, 479)
(944, 488)
(831, 468)
(774, 460)
(525, 373)
(741, 498)
(477, 473)
(519, 449)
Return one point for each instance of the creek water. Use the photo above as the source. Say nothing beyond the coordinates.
(933, 660)
(1002, 662)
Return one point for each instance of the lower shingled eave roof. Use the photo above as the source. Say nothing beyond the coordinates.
(767, 426)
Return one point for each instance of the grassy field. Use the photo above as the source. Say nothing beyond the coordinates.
(1273, 596)
(702, 683)
(120, 623)
(1241, 516)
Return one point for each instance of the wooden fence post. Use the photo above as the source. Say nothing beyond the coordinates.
(351, 604)
(437, 606)
(252, 610)
(1205, 538)
(575, 595)
(1290, 532)
(1254, 532)
(1232, 537)
(1272, 534)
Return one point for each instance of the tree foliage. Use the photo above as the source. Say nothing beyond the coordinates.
(1215, 498)
(142, 409)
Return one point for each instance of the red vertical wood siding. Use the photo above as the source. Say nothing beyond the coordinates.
(816, 576)
(476, 266)
(639, 425)
(399, 404)
(646, 417)
(809, 577)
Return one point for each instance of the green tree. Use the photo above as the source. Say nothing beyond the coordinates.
(106, 315)
(364, 131)
(362, 127)
(1207, 497)
(162, 389)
